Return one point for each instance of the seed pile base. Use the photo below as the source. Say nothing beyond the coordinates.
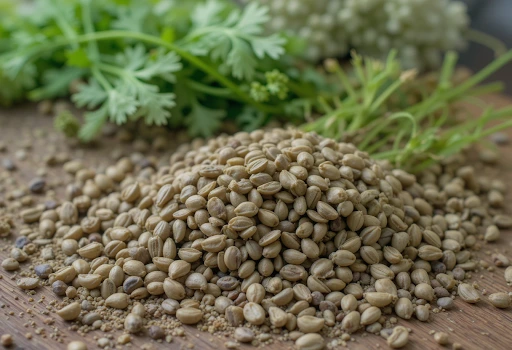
(277, 232)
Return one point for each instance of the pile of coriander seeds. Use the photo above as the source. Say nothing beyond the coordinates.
(279, 230)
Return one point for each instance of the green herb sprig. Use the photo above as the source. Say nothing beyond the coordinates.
(166, 62)
(410, 135)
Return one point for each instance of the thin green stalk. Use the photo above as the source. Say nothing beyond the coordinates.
(487, 40)
(210, 90)
(447, 70)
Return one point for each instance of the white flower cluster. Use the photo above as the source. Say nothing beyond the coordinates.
(419, 29)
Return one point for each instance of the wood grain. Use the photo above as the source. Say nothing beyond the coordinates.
(478, 326)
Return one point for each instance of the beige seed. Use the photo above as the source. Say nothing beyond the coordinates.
(441, 338)
(404, 308)
(500, 300)
(492, 233)
(508, 274)
(117, 301)
(351, 322)
(399, 337)
(370, 315)
(278, 317)
(77, 345)
(10, 264)
(379, 299)
(234, 315)
(468, 293)
(310, 324)
(28, 283)
(134, 268)
(189, 315)
(70, 312)
(173, 289)
(424, 291)
(254, 313)
(133, 323)
(422, 313)
(244, 335)
(310, 341)
(90, 281)
(91, 251)
(179, 268)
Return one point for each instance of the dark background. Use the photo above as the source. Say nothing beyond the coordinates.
(493, 17)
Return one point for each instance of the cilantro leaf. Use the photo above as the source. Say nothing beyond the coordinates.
(94, 121)
(154, 105)
(90, 95)
(160, 65)
(203, 121)
(56, 83)
(122, 103)
(236, 41)
(77, 58)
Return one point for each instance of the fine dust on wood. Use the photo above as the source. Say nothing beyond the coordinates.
(479, 326)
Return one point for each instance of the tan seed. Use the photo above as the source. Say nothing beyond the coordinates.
(500, 300)
(468, 293)
(28, 283)
(254, 313)
(70, 312)
(189, 315)
(117, 301)
(399, 337)
(310, 324)
(310, 342)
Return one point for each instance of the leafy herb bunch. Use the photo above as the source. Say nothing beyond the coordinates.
(186, 63)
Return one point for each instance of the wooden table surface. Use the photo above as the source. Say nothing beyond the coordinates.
(479, 326)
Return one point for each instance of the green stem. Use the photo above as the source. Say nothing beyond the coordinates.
(89, 28)
(489, 41)
(447, 70)
(210, 90)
